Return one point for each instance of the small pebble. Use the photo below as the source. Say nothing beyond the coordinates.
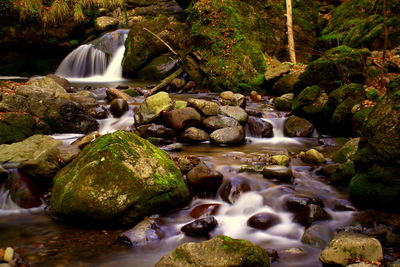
(8, 254)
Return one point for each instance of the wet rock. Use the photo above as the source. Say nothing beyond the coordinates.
(105, 23)
(16, 126)
(220, 251)
(281, 173)
(285, 84)
(178, 83)
(232, 189)
(186, 163)
(81, 142)
(251, 168)
(158, 69)
(284, 102)
(118, 107)
(235, 112)
(259, 128)
(172, 147)
(342, 204)
(44, 85)
(218, 122)
(203, 178)
(238, 100)
(179, 104)
(263, 220)
(23, 191)
(38, 154)
(207, 108)
(204, 210)
(317, 235)
(282, 160)
(66, 153)
(200, 227)
(113, 93)
(345, 246)
(143, 179)
(347, 151)
(298, 127)
(296, 203)
(311, 213)
(152, 107)
(98, 113)
(61, 81)
(182, 118)
(312, 156)
(194, 135)
(155, 130)
(228, 135)
(144, 233)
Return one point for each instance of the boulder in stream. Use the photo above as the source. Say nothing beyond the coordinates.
(152, 107)
(298, 127)
(259, 128)
(179, 119)
(206, 107)
(312, 156)
(201, 226)
(235, 112)
(346, 246)
(221, 251)
(228, 135)
(117, 180)
(203, 177)
(218, 122)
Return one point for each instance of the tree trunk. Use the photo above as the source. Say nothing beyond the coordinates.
(289, 23)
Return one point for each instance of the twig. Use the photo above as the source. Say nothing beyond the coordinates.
(164, 82)
(165, 43)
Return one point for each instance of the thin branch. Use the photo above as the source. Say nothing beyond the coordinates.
(165, 43)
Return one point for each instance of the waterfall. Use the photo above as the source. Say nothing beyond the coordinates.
(90, 62)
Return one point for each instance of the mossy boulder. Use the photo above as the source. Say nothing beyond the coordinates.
(336, 67)
(152, 107)
(15, 127)
(221, 251)
(346, 246)
(142, 47)
(360, 24)
(298, 127)
(377, 160)
(284, 102)
(159, 68)
(116, 180)
(285, 84)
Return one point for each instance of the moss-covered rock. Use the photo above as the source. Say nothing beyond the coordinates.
(118, 179)
(221, 251)
(152, 107)
(158, 69)
(360, 24)
(377, 160)
(338, 66)
(142, 47)
(15, 127)
(284, 102)
(285, 84)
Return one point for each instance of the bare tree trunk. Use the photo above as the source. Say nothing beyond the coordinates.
(289, 23)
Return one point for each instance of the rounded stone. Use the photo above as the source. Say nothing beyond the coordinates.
(118, 107)
(281, 173)
(200, 227)
(228, 135)
(203, 178)
(263, 220)
(194, 135)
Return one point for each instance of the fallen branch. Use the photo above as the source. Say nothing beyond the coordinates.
(164, 82)
(164, 42)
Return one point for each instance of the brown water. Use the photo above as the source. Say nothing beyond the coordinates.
(42, 241)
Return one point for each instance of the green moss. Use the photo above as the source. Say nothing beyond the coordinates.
(306, 97)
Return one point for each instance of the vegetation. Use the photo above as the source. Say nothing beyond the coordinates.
(55, 11)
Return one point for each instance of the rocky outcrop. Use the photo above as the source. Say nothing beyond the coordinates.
(221, 251)
(118, 179)
(376, 183)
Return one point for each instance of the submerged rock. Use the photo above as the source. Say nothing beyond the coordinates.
(118, 179)
(232, 189)
(317, 235)
(221, 251)
(345, 246)
(200, 227)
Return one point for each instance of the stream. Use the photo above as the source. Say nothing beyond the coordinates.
(42, 241)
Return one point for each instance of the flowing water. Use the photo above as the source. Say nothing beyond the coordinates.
(45, 242)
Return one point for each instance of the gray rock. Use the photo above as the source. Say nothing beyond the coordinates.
(218, 122)
(207, 108)
(345, 246)
(235, 112)
(144, 233)
(228, 135)
(317, 235)
(259, 128)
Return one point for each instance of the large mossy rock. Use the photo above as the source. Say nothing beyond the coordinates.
(221, 251)
(337, 66)
(360, 24)
(159, 68)
(152, 107)
(118, 179)
(142, 47)
(377, 161)
(346, 246)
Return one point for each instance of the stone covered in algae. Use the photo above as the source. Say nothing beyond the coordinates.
(118, 179)
(221, 251)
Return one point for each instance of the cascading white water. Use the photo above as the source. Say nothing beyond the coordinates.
(90, 62)
(84, 61)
